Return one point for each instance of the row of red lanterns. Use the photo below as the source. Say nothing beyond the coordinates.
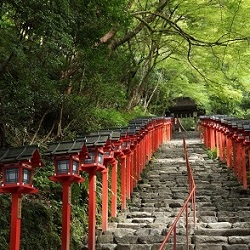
(230, 137)
(132, 146)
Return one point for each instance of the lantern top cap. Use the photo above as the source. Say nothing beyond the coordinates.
(104, 132)
(218, 117)
(246, 127)
(240, 123)
(204, 116)
(65, 147)
(124, 132)
(132, 130)
(113, 134)
(138, 124)
(226, 120)
(144, 119)
(16, 154)
(94, 139)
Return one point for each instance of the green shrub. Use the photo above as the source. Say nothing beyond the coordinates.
(212, 154)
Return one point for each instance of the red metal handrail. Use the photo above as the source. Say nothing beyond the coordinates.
(191, 198)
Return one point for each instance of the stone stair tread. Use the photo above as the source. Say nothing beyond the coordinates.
(219, 225)
(104, 247)
(223, 232)
(211, 239)
(143, 220)
(222, 247)
(179, 246)
(236, 247)
(132, 239)
(131, 225)
(150, 239)
(129, 246)
(120, 232)
(209, 247)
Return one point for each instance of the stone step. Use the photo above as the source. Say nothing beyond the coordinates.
(221, 247)
(147, 237)
(223, 232)
(220, 240)
(140, 247)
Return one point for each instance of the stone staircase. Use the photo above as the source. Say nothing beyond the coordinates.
(223, 207)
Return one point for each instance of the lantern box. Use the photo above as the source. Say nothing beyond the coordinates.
(108, 151)
(132, 133)
(115, 137)
(126, 141)
(117, 143)
(108, 147)
(92, 155)
(66, 165)
(247, 140)
(66, 160)
(246, 128)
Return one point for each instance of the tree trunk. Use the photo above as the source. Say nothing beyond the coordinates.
(39, 126)
(59, 126)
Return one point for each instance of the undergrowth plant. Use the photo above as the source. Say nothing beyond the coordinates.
(212, 153)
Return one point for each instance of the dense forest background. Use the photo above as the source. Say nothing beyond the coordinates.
(71, 67)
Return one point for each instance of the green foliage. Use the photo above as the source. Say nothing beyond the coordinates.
(107, 118)
(48, 190)
(212, 154)
(40, 225)
(5, 207)
(188, 123)
(78, 225)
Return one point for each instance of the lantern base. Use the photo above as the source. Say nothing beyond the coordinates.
(27, 189)
(65, 178)
(91, 169)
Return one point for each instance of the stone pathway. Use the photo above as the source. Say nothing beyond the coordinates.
(223, 207)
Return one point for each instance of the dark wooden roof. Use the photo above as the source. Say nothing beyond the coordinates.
(184, 106)
(16, 154)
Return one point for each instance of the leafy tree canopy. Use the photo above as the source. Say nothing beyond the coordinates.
(61, 60)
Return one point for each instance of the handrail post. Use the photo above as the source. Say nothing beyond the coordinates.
(128, 175)
(114, 189)
(92, 210)
(175, 241)
(244, 172)
(187, 231)
(123, 182)
(105, 199)
(191, 198)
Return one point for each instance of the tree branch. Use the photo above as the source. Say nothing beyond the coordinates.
(131, 34)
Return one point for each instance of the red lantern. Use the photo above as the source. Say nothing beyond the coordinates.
(17, 166)
(66, 163)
